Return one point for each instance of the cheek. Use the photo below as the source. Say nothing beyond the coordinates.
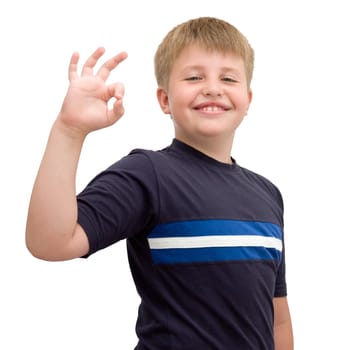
(178, 100)
(244, 102)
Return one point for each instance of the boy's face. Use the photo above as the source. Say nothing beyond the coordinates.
(207, 95)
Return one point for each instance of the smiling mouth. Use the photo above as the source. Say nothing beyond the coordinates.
(212, 109)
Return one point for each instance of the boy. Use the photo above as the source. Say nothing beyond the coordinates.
(204, 235)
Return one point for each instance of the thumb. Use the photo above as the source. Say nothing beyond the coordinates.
(117, 111)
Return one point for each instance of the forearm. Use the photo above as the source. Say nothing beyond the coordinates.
(52, 214)
(283, 330)
(284, 337)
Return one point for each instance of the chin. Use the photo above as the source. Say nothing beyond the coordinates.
(216, 132)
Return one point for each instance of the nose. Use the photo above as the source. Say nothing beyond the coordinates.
(213, 90)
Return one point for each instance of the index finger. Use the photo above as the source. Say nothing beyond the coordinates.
(109, 65)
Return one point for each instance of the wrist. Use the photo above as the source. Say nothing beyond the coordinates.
(68, 131)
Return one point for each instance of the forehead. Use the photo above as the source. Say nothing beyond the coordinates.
(196, 56)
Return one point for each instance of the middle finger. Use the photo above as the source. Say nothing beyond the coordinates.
(109, 65)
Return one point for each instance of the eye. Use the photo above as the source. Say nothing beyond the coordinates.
(193, 78)
(230, 79)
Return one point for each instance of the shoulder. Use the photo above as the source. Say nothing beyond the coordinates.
(151, 158)
(139, 163)
(137, 158)
(263, 182)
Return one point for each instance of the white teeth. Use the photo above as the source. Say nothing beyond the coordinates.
(212, 109)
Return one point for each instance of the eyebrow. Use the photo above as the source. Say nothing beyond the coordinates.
(200, 67)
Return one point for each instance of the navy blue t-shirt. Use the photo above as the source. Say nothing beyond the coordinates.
(205, 246)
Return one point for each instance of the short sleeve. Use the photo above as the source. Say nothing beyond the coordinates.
(281, 286)
(120, 202)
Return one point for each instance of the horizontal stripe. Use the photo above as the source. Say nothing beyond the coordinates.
(216, 227)
(201, 255)
(214, 241)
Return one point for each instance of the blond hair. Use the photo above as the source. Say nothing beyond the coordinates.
(210, 33)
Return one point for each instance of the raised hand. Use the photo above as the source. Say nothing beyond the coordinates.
(85, 107)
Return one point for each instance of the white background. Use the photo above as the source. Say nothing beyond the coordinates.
(296, 134)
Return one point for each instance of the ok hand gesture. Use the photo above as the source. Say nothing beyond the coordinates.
(85, 107)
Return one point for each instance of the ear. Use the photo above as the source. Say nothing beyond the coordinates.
(163, 100)
(250, 97)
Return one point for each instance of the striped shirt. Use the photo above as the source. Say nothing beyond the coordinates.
(205, 245)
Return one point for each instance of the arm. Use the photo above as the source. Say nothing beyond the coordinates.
(52, 232)
(283, 332)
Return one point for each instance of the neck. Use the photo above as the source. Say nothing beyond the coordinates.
(219, 150)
